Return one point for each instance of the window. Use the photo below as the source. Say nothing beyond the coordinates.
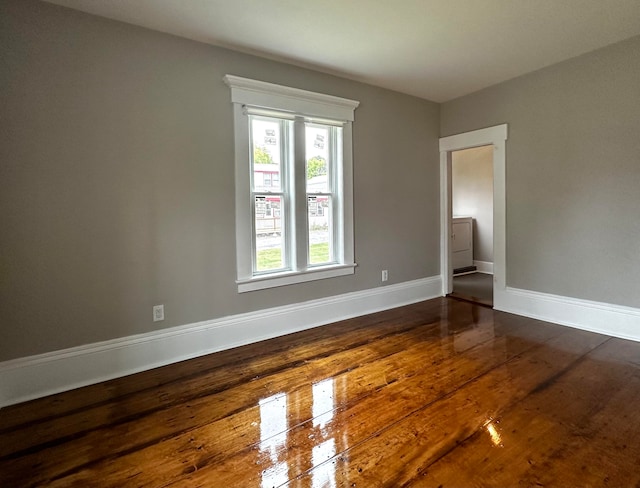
(294, 203)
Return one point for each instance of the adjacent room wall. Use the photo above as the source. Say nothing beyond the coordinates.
(116, 181)
(472, 196)
(573, 173)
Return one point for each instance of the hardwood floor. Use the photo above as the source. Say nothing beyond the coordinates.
(440, 393)
(475, 287)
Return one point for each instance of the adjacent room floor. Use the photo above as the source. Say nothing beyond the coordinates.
(438, 393)
(475, 287)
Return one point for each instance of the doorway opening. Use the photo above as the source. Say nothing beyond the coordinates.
(495, 138)
(472, 224)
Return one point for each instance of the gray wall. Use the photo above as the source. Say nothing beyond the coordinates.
(116, 180)
(573, 172)
(472, 195)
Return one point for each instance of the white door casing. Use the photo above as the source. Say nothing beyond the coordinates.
(496, 136)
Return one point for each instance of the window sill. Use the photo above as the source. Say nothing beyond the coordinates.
(293, 277)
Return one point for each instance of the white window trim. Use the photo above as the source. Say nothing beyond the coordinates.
(269, 96)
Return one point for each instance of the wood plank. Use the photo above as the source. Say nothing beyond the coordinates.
(438, 393)
(138, 404)
(48, 408)
(365, 416)
(589, 435)
(120, 438)
(395, 455)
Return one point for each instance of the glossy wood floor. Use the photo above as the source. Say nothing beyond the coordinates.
(475, 287)
(440, 393)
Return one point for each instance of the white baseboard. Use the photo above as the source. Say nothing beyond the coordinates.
(603, 318)
(45, 374)
(483, 267)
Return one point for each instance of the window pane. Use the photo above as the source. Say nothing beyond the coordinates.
(320, 230)
(266, 146)
(269, 239)
(317, 156)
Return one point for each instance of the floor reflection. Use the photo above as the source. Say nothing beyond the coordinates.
(274, 435)
(324, 475)
(276, 475)
(323, 403)
(273, 438)
(493, 433)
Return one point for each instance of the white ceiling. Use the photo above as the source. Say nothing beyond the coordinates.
(434, 49)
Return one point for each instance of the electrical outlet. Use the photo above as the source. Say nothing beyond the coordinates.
(158, 313)
(385, 275)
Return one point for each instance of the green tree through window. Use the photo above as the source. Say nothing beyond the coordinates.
(261, 156)
(316, 166)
